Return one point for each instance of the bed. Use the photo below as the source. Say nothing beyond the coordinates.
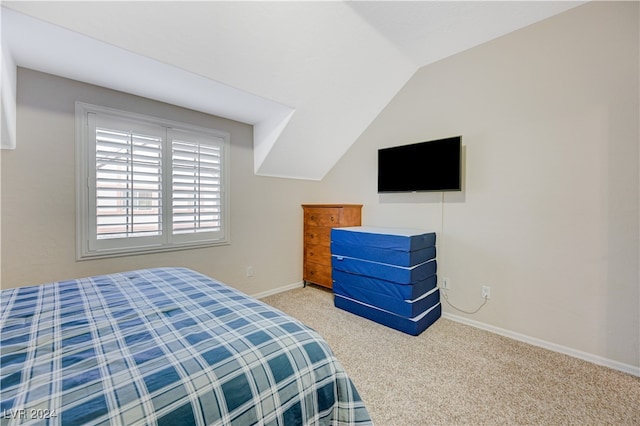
(165, 346)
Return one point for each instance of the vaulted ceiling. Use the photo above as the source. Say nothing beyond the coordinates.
(309, 76)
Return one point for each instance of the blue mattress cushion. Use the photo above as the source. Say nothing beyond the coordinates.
(402, 239)
(409, 291)
(376, 254)
(405, 308)
(384, 271)
(413, 326)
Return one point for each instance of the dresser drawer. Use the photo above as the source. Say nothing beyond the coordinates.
(318, 274)
(319, 219)
(317, 235)
(322, 217)
(318, 254)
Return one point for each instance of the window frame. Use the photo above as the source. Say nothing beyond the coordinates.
(88, 246)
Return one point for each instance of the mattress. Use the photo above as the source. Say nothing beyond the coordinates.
(409, 291)
(376, 254)
(384, 271)
(413, 326)
(401, 239)
(163, 346)
(406, 308)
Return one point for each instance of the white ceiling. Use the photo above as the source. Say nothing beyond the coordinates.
(310, 76)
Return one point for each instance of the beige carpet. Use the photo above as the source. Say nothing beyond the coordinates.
(455, 374)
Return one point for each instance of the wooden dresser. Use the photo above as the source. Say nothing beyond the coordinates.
(318, 221)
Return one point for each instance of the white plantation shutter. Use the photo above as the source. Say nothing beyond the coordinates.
(145, 184)
(128, 184)
(197, 184)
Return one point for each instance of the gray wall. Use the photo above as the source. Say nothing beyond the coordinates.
(549, 215)
(38, 197)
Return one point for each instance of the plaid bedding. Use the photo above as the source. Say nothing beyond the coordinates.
(165, 346)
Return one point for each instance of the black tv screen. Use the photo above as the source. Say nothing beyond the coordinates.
(424, 166)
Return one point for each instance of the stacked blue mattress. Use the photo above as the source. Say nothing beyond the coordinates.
(387, 275)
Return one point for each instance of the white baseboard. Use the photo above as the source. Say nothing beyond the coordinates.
(278, 290)
(595, 359)
(625, 368)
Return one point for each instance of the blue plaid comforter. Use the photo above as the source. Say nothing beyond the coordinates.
(165, 346)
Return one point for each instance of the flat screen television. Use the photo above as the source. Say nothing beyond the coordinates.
(426, 166)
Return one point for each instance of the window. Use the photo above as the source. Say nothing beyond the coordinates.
(146, 184)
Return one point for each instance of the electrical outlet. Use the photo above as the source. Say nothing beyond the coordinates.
(446, 283)
(486, 292)
(249, 271)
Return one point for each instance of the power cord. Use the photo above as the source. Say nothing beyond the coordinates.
(446, 298)
(440, 253)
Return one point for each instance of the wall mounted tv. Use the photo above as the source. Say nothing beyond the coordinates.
(426, 166)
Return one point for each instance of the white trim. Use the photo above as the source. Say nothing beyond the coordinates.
(8, 90)
(278, 290)
(595, 359)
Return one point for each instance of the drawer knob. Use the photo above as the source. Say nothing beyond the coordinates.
(313, 217)
(332, 218)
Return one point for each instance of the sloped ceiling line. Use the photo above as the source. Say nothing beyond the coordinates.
(131, 73)
(309, 76)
